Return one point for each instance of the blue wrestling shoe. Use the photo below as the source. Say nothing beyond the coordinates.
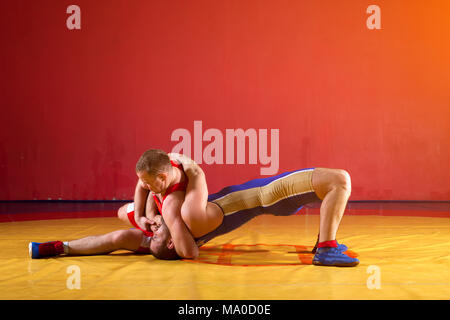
(333, 257)
(46, 249)
(341, 247)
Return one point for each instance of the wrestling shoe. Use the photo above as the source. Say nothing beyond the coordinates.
(328, 256)
(46, 249)
(341, 247)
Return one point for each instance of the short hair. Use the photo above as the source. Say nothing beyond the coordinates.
(153, 161)
(164, 253)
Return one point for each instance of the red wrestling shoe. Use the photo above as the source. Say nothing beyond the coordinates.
(46, 249)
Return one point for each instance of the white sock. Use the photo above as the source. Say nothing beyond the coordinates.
(66, 247)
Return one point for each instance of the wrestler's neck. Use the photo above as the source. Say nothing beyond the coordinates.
(175, 176)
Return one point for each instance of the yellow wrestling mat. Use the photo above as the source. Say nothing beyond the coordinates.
(400, 258)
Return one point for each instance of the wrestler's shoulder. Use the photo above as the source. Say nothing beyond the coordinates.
(181, 158)
(174, 197)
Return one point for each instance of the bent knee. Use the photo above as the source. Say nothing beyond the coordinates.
(325, 180)
(343, 180)
(122, 213)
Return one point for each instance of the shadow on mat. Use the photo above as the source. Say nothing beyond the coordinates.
(253, 255)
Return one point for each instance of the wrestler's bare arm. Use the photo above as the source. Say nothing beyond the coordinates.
(181, 236)
(141, 194)
(151, 210)
(196, 197)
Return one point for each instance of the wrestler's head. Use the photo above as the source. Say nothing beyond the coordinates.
(154, 170)
(161, 244)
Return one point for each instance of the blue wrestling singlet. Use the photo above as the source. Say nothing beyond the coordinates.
(280, 195)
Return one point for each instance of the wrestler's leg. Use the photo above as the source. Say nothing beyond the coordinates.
(102, 244)
(122, 214)
(333, 187)
(130, 239)
(150, 211)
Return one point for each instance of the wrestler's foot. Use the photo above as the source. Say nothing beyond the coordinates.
(46, 249)
(341, 247)
(328, 256)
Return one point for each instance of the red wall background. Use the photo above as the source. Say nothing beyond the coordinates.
(78, 107)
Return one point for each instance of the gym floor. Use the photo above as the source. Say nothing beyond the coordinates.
(402, 247)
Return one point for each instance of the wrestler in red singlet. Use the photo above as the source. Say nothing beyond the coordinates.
(181, 186)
